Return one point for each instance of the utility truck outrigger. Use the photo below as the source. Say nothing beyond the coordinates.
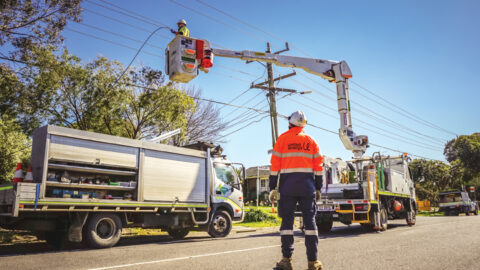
(382, 188)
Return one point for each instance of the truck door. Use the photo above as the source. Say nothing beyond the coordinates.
(228, 188)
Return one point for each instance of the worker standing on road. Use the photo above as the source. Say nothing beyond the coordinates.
(182, 29)
(296, 158)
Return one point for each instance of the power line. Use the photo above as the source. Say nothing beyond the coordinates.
(122, 22)
(138, 51)
(378, 117)
(410, 141)
(280, 115)
(251, 26)
(110, 41)
(119, 35)
(218, 21)
(403, 110)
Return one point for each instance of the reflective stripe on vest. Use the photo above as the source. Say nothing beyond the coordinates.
(294, 170)
(184, 30)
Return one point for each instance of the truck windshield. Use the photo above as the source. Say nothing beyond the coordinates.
(225, 173)
(448, 198)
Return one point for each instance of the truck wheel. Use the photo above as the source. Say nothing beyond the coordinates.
(411, 221)
(447, 213)
(383, 218)
(324, 226)
(102, 230)
(178, 234)
(221, 224)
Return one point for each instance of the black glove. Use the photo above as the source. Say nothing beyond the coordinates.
(272, 183)
(173, 31)
(318, 182)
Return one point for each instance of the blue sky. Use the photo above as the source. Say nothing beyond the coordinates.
(421, 56)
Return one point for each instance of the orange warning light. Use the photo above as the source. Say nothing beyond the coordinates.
(190, 51)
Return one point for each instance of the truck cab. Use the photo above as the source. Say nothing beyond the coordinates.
(227, 192)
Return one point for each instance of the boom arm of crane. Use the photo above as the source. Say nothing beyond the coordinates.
(333, 71)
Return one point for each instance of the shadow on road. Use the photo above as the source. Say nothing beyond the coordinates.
(43, 247)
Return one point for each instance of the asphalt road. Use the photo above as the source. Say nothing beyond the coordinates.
(434, 243)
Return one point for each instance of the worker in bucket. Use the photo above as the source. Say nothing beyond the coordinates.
(296, 159)
(182, 29)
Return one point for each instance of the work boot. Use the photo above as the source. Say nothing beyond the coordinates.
(284, 264)
(315, 265)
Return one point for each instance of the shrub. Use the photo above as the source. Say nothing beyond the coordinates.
(257, 215)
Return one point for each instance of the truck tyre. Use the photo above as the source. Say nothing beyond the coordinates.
(383, 218)
(221, 224)
(324, 226)
(411, 221)
(178, 234)
(103, 230)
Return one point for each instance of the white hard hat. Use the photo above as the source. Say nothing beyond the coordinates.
(298, 119)
(182, 21)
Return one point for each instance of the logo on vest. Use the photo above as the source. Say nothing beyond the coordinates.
(299, 146)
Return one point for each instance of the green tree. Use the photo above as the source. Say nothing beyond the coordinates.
(27, 24)
(64, 91)
(433, 176)
(14, 147)
(467, 149)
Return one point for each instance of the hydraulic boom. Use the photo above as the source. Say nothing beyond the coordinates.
(184, 55)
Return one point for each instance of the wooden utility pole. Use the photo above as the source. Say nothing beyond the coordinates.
(272, 91)
(273, 100)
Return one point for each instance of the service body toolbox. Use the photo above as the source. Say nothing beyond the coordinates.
(83, 177)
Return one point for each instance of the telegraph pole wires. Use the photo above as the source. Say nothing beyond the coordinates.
(272, 91)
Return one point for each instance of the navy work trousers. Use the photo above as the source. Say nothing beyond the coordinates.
(286, 209)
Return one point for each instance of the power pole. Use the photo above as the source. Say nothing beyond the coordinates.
(272, 91)
(273, 100)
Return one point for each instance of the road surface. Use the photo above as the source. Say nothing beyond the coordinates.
(434, 243)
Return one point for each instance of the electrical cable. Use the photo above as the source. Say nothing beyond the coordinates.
(407, 112)
(218, 21)
(118, 35)
(138, 51)
(251, 26)
(112, 42)
(282, 116)
(377, 117)
(118, 44)
(410, 141)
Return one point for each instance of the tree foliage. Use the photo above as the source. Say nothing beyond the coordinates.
(26, 24)
(65, 92)
(467, 149)
(433, 176)
(203, 124)
(14, 147)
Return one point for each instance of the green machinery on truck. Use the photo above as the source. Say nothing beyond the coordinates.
(381, 190)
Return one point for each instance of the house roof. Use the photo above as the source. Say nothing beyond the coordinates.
(263, 171)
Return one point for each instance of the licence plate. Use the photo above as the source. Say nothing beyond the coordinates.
(335, 215)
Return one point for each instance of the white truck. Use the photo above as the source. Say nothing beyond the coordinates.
(382, 188)
(88, 186)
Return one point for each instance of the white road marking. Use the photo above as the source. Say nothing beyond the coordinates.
(183, 258)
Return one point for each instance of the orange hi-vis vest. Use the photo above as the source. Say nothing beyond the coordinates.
(296, 152)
